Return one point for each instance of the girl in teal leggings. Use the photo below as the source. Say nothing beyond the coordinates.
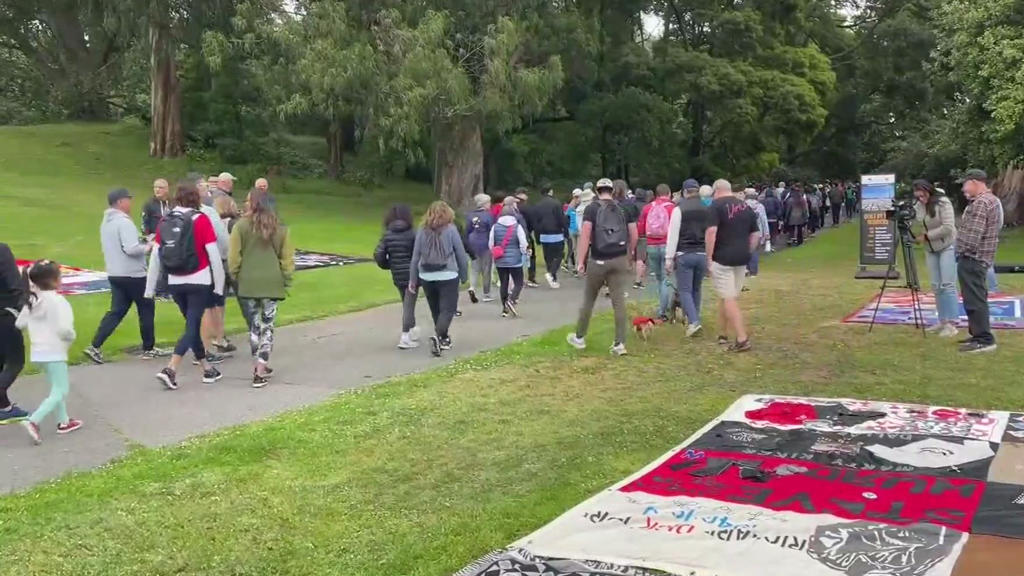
(51, 329)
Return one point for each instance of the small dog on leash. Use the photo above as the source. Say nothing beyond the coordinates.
(644, 325)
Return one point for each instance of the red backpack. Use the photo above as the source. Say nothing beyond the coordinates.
(498, 252)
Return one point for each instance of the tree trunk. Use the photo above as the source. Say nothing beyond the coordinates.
(459, 162)
(335, 149)
(166, 136)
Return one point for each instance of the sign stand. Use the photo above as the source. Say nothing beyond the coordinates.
(877, 231)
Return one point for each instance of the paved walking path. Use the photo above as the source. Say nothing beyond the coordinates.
(123, 404)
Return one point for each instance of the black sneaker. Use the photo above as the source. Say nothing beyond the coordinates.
(472, 296)
(212, 358)
(738, 347)
(976, 347)
(446, 343)
(638, 286)
(504, 311)
(226, 347)
(458, 313)
(168, 378)
(965, 341)
(94, 354)
(212, 375)
(260, 381)
(435, 346)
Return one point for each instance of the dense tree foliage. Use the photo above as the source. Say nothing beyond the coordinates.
(488, 95)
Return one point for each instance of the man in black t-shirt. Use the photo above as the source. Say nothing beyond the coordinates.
(731, 237)
(607, 246)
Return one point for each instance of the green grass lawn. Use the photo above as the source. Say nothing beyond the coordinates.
(423, 474)
(53, 185)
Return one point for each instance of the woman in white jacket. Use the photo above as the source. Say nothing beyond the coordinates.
(51, 330)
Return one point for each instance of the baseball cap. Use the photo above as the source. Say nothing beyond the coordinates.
(588, 186)
(973, 174)
(116, 196)
(577, 193)
(226, 176)
(691, 184)
(604, 183)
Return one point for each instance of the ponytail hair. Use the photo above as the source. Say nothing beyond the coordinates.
(44, 275)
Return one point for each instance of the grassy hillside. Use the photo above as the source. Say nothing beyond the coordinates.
(53, 185)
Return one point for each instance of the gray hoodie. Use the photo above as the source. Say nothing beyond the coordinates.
(124, 254)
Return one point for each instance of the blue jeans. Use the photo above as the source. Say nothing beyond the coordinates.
(192, 300)
(942, 271)
(690, 272)
(754, 265)
(656, 264)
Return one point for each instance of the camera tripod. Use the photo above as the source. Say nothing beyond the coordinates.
(905, 240)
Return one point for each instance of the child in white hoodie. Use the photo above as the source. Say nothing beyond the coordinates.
(51, 329)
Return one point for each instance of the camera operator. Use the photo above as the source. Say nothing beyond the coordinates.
(935, 211)
(976, 250)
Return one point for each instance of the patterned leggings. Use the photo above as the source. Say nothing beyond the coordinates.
(261, 332)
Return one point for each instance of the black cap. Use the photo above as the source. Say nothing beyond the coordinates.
(973, 174)
(116, 196)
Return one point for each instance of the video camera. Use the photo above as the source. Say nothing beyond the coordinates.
(903, 212)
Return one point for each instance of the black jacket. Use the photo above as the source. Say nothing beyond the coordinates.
(548, 217)
(394, 251)
(773, 208)
(12, 284)
(152, 213)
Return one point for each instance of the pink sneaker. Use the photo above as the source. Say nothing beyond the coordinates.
(71, 426)
(33, 431)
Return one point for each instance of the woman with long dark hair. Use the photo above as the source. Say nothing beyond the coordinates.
(935, 211)
(394, 253)
(439, 264)
(262, 260)
(186, 247)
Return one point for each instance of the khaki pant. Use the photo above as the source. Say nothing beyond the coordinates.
(614, 274)
(728, 280)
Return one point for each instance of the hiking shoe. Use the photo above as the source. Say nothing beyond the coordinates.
(225, 347)
(212, 375)
(618, 349)
(446, 343)
(168, 378)
(488, 298)
(71, 426)
(692, 330)
(948, 331)
(259, 381)
(154, 354)
(94, 354)
(33, 431)
(977, 347)
(723, 341)
(576, 342)
(738, 347)
(435, 346)
(414, 334)
(472, 296)
(12, 414)
(407, 343)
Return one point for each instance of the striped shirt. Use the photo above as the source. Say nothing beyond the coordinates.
(978, 236)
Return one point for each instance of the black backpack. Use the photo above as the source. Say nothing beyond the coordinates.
(177, 245)
(611, 232)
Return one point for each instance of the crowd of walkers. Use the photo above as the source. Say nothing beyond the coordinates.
(608, 235)
(195, 247)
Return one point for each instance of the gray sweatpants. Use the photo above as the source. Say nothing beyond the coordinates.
(480, 269)
(615, 274)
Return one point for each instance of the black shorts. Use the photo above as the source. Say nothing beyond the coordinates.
(215, 300)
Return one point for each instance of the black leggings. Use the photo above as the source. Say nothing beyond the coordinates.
(443, 300)
(192, 300)
(12, 355)
(553, 254)
(516, 275)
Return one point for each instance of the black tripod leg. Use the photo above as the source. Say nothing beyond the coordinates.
(881, 294)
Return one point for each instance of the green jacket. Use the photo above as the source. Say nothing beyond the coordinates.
(261, 269)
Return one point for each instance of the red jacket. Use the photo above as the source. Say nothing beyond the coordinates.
(662, 203)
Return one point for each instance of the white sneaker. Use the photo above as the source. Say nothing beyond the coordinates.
(487, 298)
(414, 334)
(692, 330)
(555, 285)
(935, 328)
(576, 342)
(618, 350)
(550, 279)
(948, 331)
(407, 343)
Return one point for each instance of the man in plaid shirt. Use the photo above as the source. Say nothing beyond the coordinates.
(976, 244)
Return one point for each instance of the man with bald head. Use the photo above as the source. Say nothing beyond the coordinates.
(730, 239)
(156, 208)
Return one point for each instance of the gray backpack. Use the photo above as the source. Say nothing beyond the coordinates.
(611, 232)
(433, 255)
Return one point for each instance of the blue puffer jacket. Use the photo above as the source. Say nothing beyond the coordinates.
(515, 250)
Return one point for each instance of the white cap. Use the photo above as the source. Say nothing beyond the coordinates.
(604, 183)
(577, 193)
(226, 176)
